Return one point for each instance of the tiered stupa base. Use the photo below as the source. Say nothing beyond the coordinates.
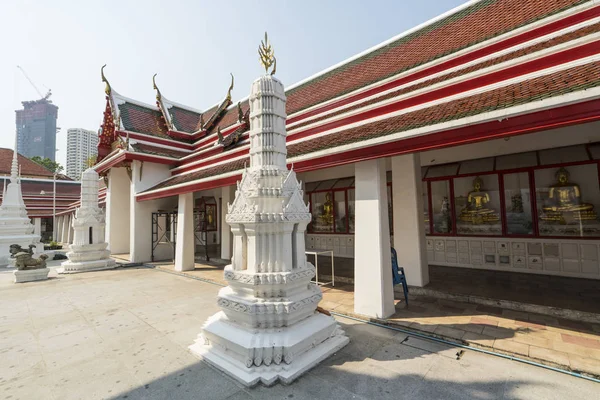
(268, 355)
(94, 258)
(31, 275)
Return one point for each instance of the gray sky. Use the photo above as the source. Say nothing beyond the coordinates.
(192, 45)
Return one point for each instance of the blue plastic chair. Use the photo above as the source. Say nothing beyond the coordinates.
(398, 275)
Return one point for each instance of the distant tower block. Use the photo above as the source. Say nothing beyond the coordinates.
(268, 329)
(88, 251)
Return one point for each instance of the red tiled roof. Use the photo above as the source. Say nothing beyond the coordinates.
(141, 119)
(231, 116)
(28, 167)
(587, 30)
(476, 23)
(184, 120)
(573, 79)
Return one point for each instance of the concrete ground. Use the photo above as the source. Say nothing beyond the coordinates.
(564, 343)
(123, 334)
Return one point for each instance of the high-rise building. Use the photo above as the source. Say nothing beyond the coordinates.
(81, 145)
(36, 128)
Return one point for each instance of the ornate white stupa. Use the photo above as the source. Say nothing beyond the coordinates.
(268, 328)
(88, 251)
(15, 225)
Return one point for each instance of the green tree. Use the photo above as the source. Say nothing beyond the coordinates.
(48, 163)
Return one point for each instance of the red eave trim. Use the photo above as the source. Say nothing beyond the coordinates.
(474, 55)
(217, 183)
(538, 121)
(154, 139)
(218, 150)
(529, 123)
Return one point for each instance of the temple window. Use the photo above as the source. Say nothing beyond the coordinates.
(441, 208)
(90, 236)
(567, 201)
(332, 205)
(477, 205)
(425, 190)
(517, 204)
(548, 193)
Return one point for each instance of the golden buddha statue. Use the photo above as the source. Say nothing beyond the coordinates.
(327, 217)
(476, 212)
(564, 202)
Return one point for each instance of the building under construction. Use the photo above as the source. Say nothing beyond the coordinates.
(36, 128)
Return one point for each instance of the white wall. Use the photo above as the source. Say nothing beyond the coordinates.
(141, 212)
(568, 136)
(118, 204)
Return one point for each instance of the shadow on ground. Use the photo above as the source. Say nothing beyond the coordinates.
(379, 364)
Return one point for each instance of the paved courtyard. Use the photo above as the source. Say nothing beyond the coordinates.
(123, 334)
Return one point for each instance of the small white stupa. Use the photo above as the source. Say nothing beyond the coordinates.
(88, 251)
(15, 225)
(268, 329)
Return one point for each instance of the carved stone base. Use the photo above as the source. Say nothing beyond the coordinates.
(268, 355)
(30, 275)
(69, 267)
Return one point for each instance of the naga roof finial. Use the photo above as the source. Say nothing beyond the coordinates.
(219, 135)
(230, 88)
(240, 112)
(107, 89)
(158, 94)
(267, 55)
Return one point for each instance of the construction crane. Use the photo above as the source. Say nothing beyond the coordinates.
(44, 97)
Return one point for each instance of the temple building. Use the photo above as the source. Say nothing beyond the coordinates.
(470, 141)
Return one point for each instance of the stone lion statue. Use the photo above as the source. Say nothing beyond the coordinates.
(24, 258)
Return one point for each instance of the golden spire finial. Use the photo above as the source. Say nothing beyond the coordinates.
(158, 95)
(107, 90)
(267, 55)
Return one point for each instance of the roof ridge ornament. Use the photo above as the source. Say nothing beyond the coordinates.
(158, 94)
(230, 88)
(107, 89)
(267, 55)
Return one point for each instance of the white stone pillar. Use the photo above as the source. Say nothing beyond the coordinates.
(409, 233)
(184, 246)
(62, 229)
(70, 229)
(37, 226)
(227, 196)
(59, 225)
(118, 196)
(373, 288)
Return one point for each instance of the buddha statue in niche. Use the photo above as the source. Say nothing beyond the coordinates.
(564, 203)
(476, 212)
(327, 217)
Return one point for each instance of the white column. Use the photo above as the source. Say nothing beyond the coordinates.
(59, 228)
(184, 247)
(71, 232)
(373, 287)
(37, 226)
(409, 233)
(227, 196)
(118, 196)
(63, 228)
(70, 229)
